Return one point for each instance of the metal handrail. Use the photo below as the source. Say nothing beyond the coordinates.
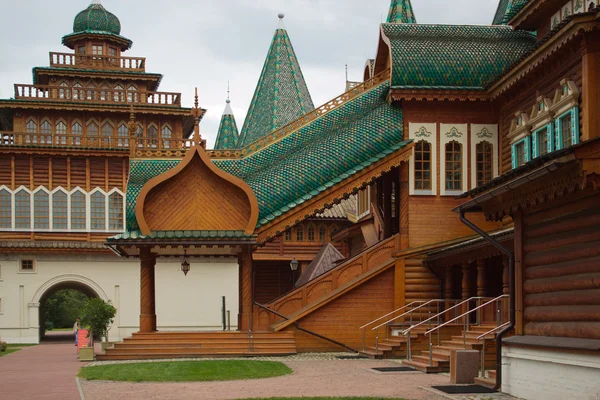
(493, 330)
(411, 311)
(467, 313)
(443, 312)
(387, 315)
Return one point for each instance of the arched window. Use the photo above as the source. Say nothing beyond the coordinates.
(107, 132)
(61, 133)
(59, 211)
(46, 131)
(115, 212)
(118, 94)
(132, 96)
(92, 133)
(152, 136)
(311, 233)
(5, 209)
(31, 127)
(166, 134)
(77, 91)
(104, 92)
(140, 134)
(78, 212)
(484, 159)
(423, 165)
(288, 235)
(41, 210)
(76, 131)
(453, 166)
(91, 92)
(123, 133)
(300, 234)
(97, 211)
(322, 233)
(22, 210)
(63, 91)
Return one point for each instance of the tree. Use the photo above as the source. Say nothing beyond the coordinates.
(63, 307)
(98, 315)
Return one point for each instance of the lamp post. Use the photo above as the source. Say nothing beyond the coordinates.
(294, 266)
(185, 265)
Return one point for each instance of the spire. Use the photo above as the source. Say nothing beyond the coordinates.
(281, 94)
(228, 135)
(401, 12)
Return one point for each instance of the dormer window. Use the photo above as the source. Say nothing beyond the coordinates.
(81, 50)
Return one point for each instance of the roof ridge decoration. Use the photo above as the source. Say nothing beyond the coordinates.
(507, 9)
(401, 12)
(228, 134)
(213, 198)
(281, 95)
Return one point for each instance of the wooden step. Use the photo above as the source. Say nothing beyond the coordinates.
(437, 362)
(492, 374)
(371, 354)
(423, 367)
(487, 382)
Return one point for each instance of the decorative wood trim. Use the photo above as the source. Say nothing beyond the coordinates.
(400, 94)
(335, 194)
(196, 150)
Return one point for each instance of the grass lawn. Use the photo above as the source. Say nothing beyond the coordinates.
(8, 351)
(325, 398)
(186, 371)
(60, 330)
(19, 345)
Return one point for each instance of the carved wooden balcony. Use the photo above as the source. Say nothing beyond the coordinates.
(145, 147)
(103, 62)
(95, 95)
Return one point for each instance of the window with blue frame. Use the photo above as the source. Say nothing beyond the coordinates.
(567, 129)
(521, 152)
(543, 141)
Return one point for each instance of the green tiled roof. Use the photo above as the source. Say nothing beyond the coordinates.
(134, 74)
(133, 235)
(228, 134)
(307, 162)
(96, 18)
(281, 95)
(507, 9)
(453, 56)
(401, 12)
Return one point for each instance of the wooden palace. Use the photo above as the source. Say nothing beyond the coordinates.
(449, 201)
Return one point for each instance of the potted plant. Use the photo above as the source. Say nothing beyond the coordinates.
(98, 315)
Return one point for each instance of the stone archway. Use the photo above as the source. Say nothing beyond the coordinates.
(67, 281)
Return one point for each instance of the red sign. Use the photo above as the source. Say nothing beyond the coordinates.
(82, 339)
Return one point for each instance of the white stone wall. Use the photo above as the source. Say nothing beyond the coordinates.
(534, 374)
(191, 302)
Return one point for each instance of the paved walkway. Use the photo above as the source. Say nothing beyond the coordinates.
(41, 372)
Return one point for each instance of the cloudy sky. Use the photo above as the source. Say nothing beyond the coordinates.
(206, 43)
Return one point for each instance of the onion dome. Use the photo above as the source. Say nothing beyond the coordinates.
(96, 21)
(96, 18)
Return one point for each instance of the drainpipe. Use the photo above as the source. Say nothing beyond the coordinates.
(511, 280)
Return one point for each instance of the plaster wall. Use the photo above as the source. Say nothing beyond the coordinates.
(191, 302)
(550, 375)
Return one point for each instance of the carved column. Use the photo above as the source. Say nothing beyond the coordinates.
(387, 204)
(481, 280)
(147, 291)
(246, 289)
(466, 284)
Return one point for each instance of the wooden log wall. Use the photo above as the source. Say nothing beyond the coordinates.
(561, 254)
(421, 283)
(340, 319)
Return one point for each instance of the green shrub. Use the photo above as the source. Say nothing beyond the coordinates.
(98, 315)
(3, 346)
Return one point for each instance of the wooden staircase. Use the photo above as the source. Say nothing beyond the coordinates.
(440, 357)
(161, 345)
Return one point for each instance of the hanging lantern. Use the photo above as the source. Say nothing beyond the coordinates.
(185, 265)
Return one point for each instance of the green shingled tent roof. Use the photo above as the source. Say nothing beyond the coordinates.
(228, 134)
(507, 9)
(281, 95)
(401, 12)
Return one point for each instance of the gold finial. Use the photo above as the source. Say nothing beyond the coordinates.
(197, 113)
(196, 98)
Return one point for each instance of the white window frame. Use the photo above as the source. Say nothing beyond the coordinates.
(427, 132)
(540, 118)
(87, 209)
(24, 271)
(456, 133)
(124, 197)
(52, 193)
(41, 189)
(483, 133)
(12, 209)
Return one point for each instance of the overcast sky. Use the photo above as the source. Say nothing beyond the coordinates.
(206, 43)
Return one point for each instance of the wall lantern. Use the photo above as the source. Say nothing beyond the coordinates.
(294, 266)
(185, 265)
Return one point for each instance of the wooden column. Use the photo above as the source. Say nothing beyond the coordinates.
(246, 289)
(448, 283)
(590, 91)
(466, 285)
(147, 291)
(387, 205)
(505, 277)
(481, 280)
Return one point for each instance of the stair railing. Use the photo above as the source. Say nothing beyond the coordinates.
(365, 326)
(465, 316)
(483, 339)
(409, 315)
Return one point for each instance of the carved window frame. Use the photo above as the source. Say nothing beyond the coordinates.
(41, 212)
(53, 208)
(428, 133)
(484, 133)
(26, 208)
(110, 211)
(566, 103)
(526, 143)
(97, 213)
(454, 133)
(80, 216)
(4, 190)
